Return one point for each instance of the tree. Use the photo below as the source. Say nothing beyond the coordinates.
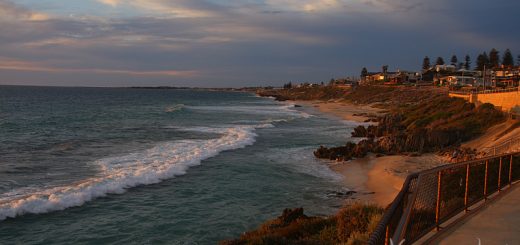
(508, 60)
(385, 69)
(467, 62)
(287, 85)
(518, 60)
(494, 58)
(364, 72)
(426, 63)
(454, 60)
(440, 61)
(482, 61)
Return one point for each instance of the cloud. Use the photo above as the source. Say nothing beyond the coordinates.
(20, 65)
(228, 42)
(10, 12)
(112, 3)
(304, 5)
(164, 8)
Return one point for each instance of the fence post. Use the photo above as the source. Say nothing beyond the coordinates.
(387, 235)
(499, 174)
(486, 180)
(438, 205)
(466, 192)
(511, 170)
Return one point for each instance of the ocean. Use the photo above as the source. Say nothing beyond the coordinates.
(156, 166)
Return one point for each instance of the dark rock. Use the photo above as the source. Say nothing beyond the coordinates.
(336, 153)
(290, 215)
(359, 131)
(341, 194)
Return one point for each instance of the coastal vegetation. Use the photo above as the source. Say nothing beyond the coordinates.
(428, 121)
(351, 225)
(415, 121)
(304, 93)
(418, 120)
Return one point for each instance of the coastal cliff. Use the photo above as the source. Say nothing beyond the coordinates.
(417, 120)
(432, 125)
(414, 121)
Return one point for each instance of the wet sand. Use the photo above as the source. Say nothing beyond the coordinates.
(379, 179)
(375, 179)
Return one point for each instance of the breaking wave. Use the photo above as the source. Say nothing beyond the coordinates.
(117, 174)
(262, 110)
(174, 108)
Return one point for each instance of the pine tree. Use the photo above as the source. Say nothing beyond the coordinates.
(482, 61)
(494, 58)
(426, 63)
(467, 62)
(508, 60)
(440, 61)
(385, 69)
(454, 60)
(364, 72)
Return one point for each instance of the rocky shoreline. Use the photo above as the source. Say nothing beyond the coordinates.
(418, 129)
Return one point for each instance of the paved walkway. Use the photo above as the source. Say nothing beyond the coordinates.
(498, 223)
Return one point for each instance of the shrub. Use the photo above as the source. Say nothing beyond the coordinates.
(351, 224)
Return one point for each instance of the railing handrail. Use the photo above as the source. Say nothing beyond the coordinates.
(490, 91)
(459, 164)
(382, 233)
(504, 143)
(382, 227)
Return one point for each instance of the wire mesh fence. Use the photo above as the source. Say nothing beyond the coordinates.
(508, 146)
(434, 196)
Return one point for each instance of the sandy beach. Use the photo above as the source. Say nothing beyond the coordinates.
(379, 179)
(375, 179)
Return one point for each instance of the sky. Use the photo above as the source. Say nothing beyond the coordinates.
(231, 43)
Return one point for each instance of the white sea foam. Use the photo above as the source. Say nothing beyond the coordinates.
(287, 109)
(117, 174)
(174, 108)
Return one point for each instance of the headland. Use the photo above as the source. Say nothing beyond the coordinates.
(402, 130)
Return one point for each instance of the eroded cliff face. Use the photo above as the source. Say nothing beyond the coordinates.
(410, 132)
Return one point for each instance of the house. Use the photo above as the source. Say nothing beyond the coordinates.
(401, 77)
(505, 77)
(373, 77)
(345, 83)
(460, 81)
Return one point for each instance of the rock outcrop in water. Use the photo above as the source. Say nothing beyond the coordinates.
(362, 132)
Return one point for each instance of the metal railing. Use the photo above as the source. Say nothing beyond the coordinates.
(509, 145)
(489, 91)
(431, 197)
